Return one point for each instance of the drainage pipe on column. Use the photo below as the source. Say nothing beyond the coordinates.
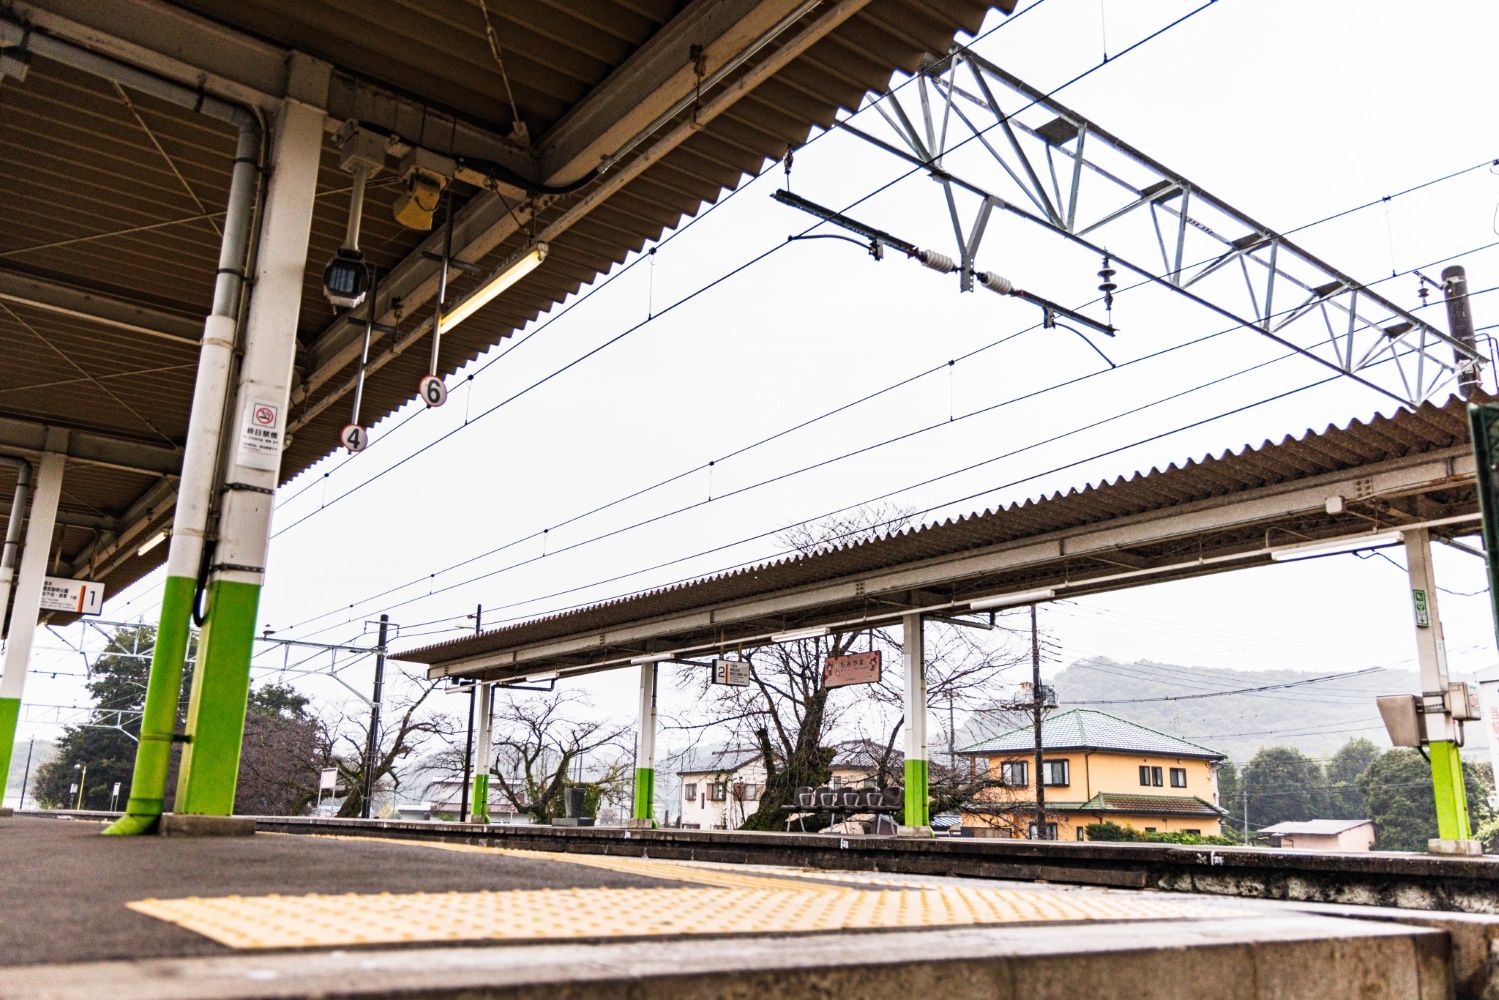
(205, 429)
(13, 530)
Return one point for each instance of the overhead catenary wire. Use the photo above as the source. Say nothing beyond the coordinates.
(713, 283)
(655, 518)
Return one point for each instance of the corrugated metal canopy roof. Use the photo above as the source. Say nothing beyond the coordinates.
(106, 193)
(690, 615)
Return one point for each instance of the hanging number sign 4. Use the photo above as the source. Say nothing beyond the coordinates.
(354, 438)
(432, 391)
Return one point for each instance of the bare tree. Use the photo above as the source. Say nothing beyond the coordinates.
(407, 728)
(792, 719)
(540, 744)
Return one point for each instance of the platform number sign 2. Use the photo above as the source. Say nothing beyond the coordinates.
(432, 391)
(354, 438)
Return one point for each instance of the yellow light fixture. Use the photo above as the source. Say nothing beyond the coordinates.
(151, 543)
(502, 278)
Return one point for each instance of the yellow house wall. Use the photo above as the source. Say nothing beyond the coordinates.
(1094, 771)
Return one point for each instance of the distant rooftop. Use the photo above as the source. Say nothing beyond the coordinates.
(1316, 827)
(1089, 729)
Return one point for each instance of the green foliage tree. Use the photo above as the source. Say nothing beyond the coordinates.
(1228, 794)
(1282, 784)
(1398, 792)
(106, 744)
(1345, 799)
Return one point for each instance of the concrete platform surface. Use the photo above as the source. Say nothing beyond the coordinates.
(276, 915)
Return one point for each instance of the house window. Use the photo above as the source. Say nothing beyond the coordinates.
(1150, 776)
(1150, 829)
(1082, 833)
(1178, 777)
(746, 792)
(689, 791)
(981, 767)
(1051, 831)
(835, 782)
(1014, 774)
(1195, 833)
(1054, 772)
(718, 791)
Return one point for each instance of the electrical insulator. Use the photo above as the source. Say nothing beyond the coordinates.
(937, 261)
(1106, 276)
(995, 282)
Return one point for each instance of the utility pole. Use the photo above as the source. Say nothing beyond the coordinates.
(1460, 323)
(1036, 703)
(26, 775)
(468, 743)
(1244, 795)
(372, 743)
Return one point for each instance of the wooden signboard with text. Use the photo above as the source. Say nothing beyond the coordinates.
(854, 668)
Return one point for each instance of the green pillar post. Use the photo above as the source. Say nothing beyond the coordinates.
(251, 463)
(918, 819)
(643, 809)
(483, 754)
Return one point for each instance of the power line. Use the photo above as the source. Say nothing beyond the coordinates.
(770, 438)
(1246, 690)
(697, 504)
(717, 281)
(643, 256)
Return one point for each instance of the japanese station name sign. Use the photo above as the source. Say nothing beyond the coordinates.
(79, 597)
(734, 673)
(855, 668)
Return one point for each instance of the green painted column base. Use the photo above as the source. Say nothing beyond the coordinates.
(918, 804)
(10, 715)
(153, 757)
(1451, 794)
(645, 794)
(216, 711)
(480, 799)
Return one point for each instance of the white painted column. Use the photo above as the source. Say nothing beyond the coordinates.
(483, 754)
(917, 815)
(28, 594)
(643, 811)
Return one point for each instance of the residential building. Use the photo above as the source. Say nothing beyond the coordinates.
(1323, 835)
(1095, 767)
(720, 789)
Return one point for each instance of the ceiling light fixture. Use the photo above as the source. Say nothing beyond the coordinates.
(152, 542)
(1337, 546)
(1008, 600)
(805, 633)
(500, 279)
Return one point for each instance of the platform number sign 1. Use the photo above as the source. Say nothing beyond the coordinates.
(432, 391)
(354, 438)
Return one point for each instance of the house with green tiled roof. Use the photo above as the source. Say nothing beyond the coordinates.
(1095, 767)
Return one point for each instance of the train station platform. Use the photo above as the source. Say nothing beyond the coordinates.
(343, 913)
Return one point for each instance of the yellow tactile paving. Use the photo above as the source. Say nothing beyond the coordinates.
(675, 871)
(567, 914)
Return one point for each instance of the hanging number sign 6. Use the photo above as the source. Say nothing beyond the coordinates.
(354, 437)
(432, 391)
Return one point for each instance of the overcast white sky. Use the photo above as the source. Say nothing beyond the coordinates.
(1289, 111)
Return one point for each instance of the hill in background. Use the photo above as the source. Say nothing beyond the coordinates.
(1316, 718)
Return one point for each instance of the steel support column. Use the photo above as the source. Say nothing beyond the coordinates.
(251, 468)
(28, 599)
(643, 812)
(1441, 730)
(483, 752)
(917, 817)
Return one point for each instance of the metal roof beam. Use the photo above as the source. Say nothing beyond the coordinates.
(699, 42)
(965, 575)
(97, 307)
(93, 448)
(486, 222)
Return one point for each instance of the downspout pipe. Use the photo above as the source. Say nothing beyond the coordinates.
(200, 460)
(13, 531)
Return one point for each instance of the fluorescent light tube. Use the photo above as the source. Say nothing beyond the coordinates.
(805, 633)
(645, 661)
(1006, 600)
(1334, 547)
(545, 675)
(502, 278)
(152, 542)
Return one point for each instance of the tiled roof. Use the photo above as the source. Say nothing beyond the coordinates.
(1089, 729)
(1153, 805)
(724, 760)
